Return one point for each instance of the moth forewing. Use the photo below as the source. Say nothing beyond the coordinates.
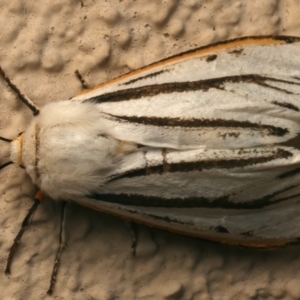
(216, 102)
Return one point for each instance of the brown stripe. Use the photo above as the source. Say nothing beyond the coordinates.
(154, 74)
(197, 123)
(203, 165)
(186, 86)
(224, 202)
(286, 105)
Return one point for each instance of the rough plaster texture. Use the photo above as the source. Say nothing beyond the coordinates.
(42, 43)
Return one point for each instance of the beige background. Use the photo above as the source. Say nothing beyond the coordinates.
(42, 43)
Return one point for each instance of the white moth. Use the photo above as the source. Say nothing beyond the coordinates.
(194, 144)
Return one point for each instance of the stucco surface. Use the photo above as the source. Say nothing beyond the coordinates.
(42, 43)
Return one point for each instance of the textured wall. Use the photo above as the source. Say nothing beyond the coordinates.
(42, 43)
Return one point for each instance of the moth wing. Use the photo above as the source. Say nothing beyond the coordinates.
(244, 196)
(224, 105)
(243, 93)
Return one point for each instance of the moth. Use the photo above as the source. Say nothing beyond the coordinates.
(203, 143)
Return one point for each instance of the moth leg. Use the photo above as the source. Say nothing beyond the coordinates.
(6, 164)
(82, 4)
(5, 140)
(82, 81)
(133, 231)
(37, 200)
(21, 96)
(62, 243)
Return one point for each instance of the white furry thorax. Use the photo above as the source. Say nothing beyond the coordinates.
(66, 153)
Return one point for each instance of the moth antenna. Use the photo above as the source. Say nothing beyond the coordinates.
(59, 250)
(22, 97)
(18, 237)
(6, 164)
(5, 139)
(82, 81)
(9, 162)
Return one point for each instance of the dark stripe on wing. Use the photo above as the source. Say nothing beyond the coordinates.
(204, 165)
(154, 74)
(187, 86)
(224, 202)
(286, 105)
(195, 123)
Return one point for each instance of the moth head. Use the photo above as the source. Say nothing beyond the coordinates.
(23, 150)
